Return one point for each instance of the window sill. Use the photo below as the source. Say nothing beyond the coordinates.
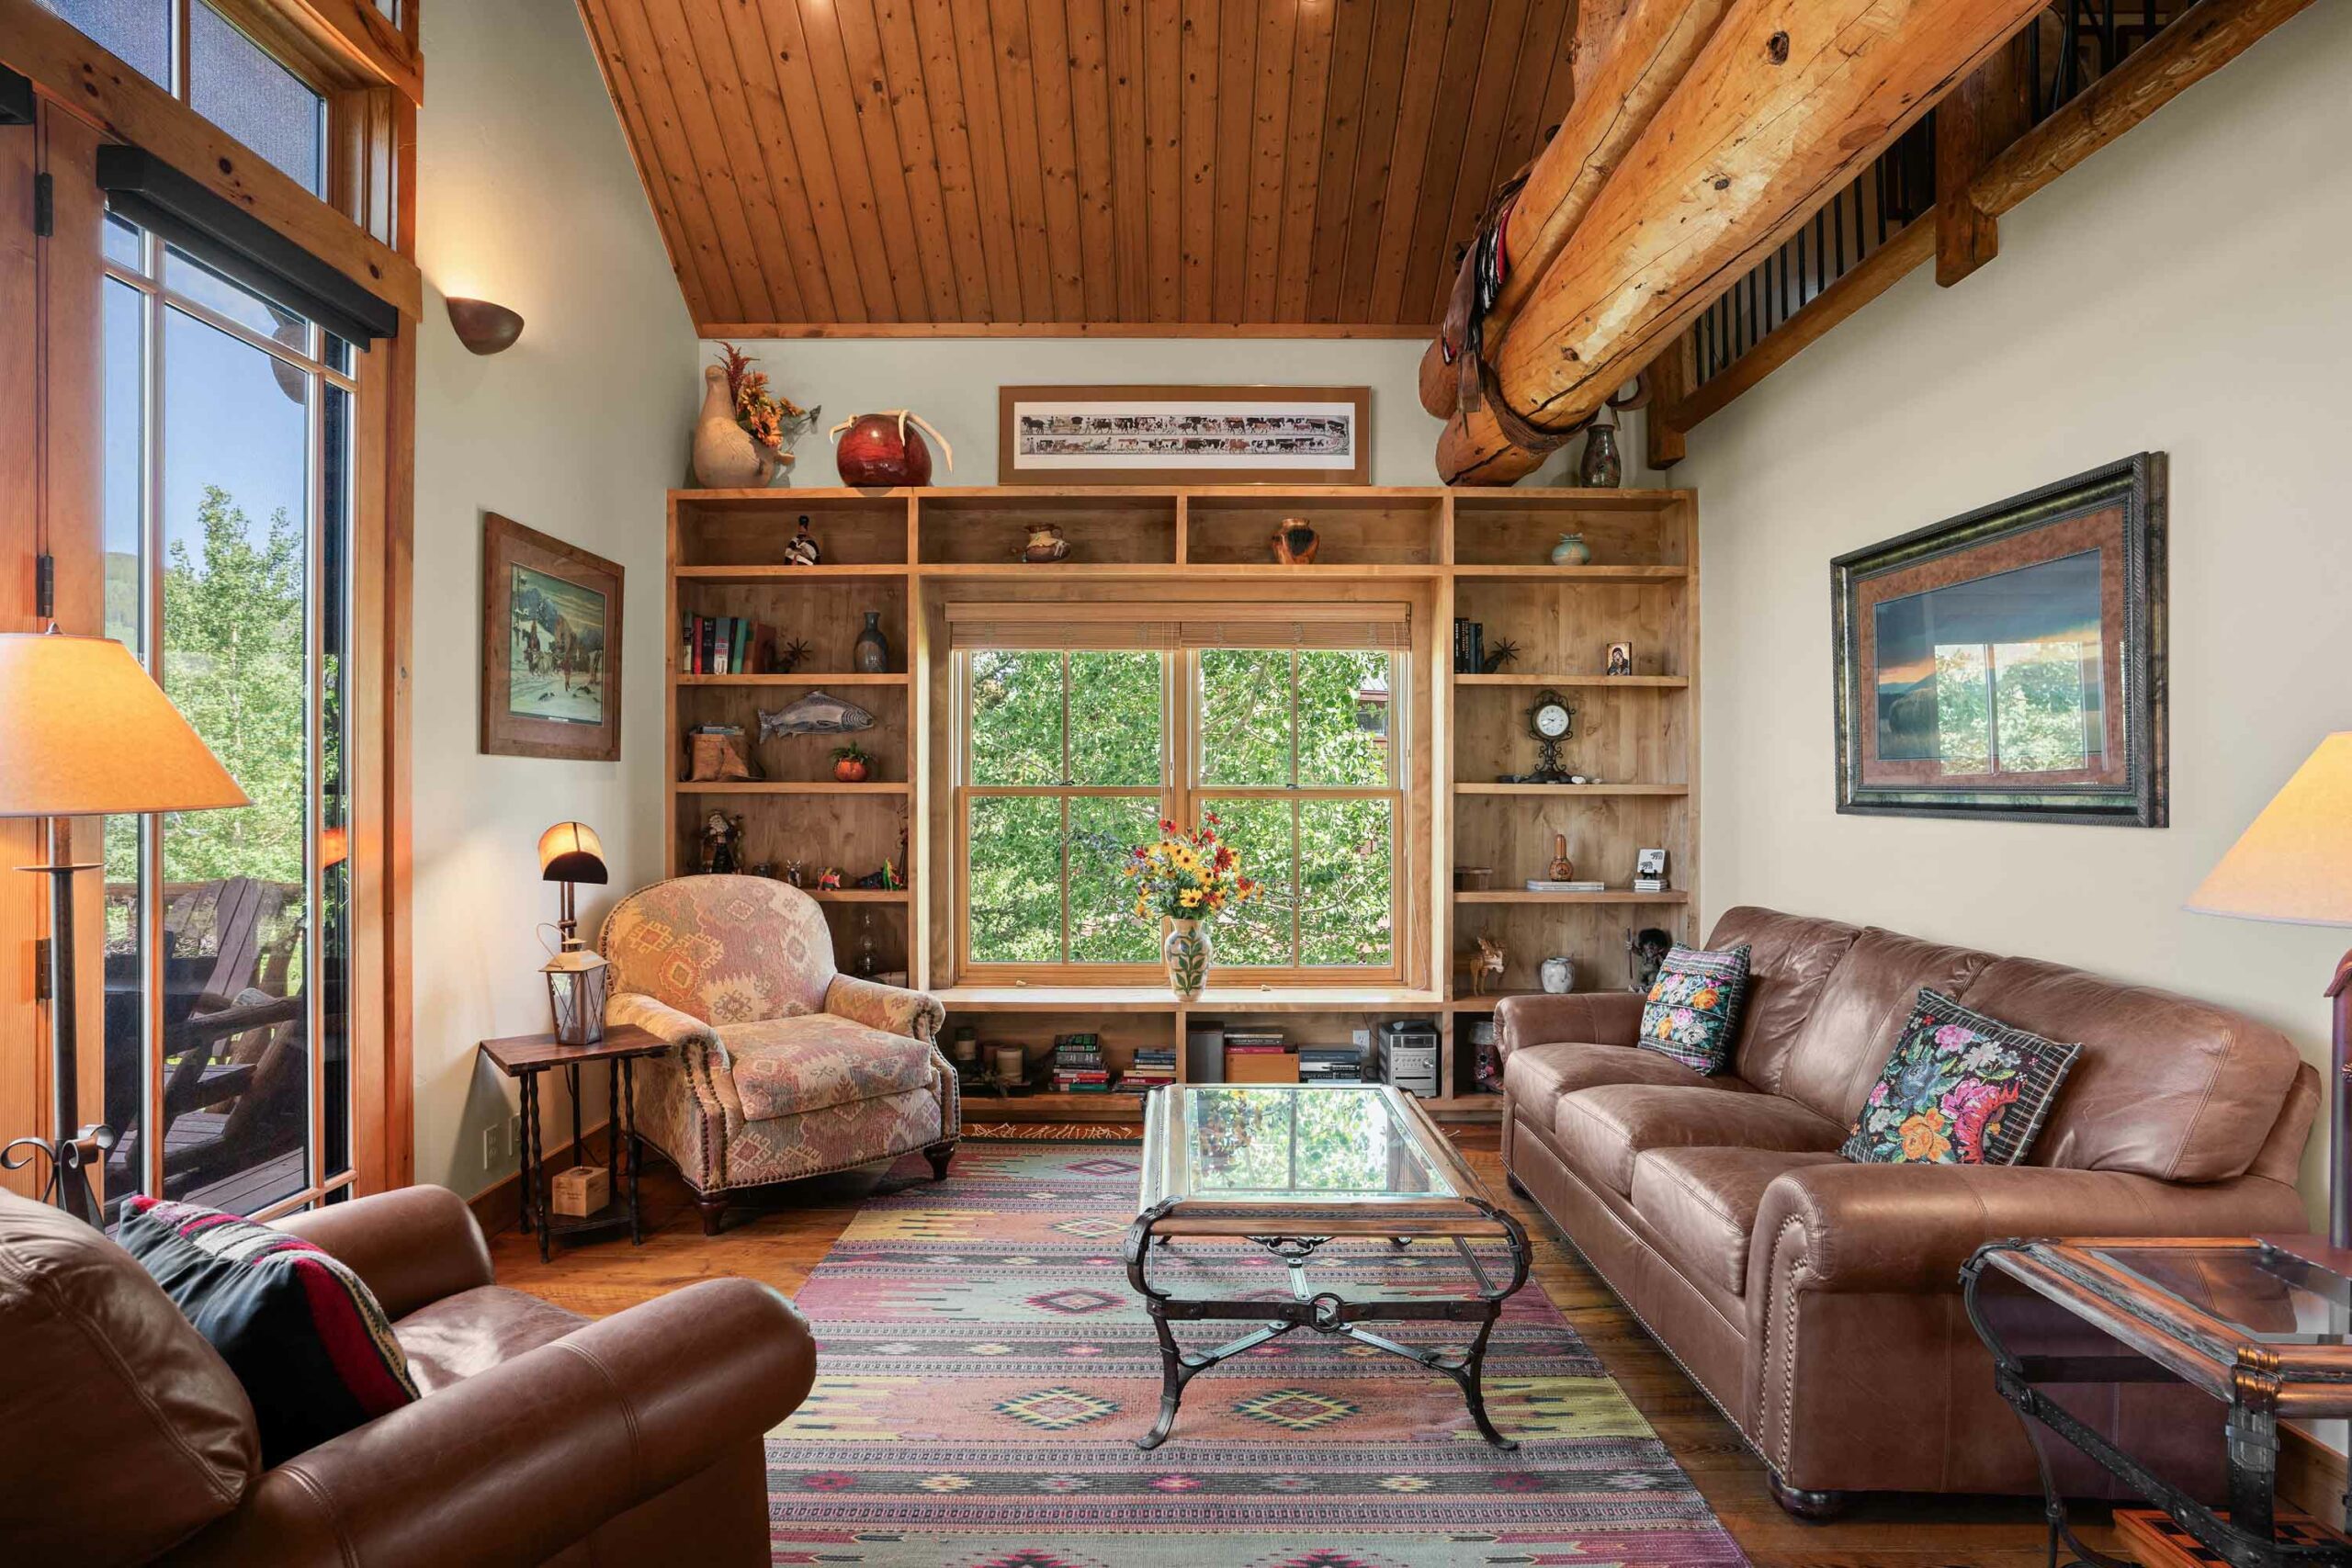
(1158, 999)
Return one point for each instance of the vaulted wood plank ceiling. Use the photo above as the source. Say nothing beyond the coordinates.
(1077, 165)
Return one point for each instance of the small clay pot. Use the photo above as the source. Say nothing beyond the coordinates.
(850, 769)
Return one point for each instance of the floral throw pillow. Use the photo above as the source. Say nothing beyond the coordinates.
(1694, 1006)
(1961, 1089)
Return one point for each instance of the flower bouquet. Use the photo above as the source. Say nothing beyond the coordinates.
(1188, 876)
(770, 420)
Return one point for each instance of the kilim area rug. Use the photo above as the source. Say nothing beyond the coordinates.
(984, 1370)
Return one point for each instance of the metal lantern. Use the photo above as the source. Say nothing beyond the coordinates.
(577, 980)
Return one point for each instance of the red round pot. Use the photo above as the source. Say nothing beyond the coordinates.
(849, 770)
(879, 449)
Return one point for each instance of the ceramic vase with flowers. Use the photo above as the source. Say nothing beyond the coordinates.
(743, 436)
(1187, 878)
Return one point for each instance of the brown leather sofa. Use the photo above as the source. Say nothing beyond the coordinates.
(1816, 1301)
(541, 1437)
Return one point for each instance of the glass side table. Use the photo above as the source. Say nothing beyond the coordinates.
(2262, 1329)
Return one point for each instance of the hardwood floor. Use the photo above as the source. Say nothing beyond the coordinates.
(782, 1244)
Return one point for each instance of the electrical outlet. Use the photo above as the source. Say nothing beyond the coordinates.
(514, 1135)
(490, 1155)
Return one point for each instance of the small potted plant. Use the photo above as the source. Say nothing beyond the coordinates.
(1188, 876)
(852, 764)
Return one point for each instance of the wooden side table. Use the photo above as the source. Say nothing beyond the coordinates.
(524, 1057)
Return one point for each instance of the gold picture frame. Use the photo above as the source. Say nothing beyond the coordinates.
(550, 647)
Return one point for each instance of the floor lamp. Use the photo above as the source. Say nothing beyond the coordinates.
(84, 731)
(2295, 865)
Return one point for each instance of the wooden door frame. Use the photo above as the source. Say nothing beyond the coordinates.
(50, 317)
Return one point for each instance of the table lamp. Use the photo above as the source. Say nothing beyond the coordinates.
(569, 853)
(2295, 865)
(84, 731)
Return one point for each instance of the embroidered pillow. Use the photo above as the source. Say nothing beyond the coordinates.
(302, 1332)
(1694, 1006)
(1961, 1089)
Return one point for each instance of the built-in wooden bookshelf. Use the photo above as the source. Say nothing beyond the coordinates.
(905, 554)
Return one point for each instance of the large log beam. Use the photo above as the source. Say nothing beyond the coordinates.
(2203, 40)
(1630, 75)
(1784, 103)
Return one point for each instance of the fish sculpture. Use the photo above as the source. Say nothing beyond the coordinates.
(818, 712)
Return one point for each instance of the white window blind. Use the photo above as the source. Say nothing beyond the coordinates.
(1162, 625)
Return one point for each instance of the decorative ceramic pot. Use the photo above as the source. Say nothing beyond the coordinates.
(1571, 551)
(1185, 950)
(879, 449)
(1558, 976)
(1296, 542)
(1601, 468)
(850, 769)
(726, 458)
(1045, 544)
(871, 654)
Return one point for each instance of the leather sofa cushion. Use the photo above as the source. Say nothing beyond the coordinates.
(124, 1431)
(2164, 1087)
(1600, 1131)
(460, 1336)
(1536, 1076)
(789, 1066)
(1853, 1026)
(1789, 959)
(1701, 1203)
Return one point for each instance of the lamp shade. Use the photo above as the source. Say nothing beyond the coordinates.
(571, 851)
(2295, 862)
(84, 731)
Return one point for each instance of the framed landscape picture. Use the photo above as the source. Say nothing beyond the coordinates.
(550, 647)
(2010, 663)
(1183, 435)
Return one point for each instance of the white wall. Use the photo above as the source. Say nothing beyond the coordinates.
(527, 197)
(2184, 292)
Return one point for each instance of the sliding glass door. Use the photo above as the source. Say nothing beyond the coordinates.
(227, 460)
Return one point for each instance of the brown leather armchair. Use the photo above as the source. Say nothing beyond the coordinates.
(541, 1437)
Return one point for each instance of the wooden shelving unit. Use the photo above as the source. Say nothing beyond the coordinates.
(1484, 554)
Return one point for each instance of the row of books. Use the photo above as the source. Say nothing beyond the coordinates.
(726, 645)
(1330, 1064)
(1469, 646)
(1078, 1068)
(1154, 1066)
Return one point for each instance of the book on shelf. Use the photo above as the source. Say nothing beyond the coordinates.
(1547, 884)
(1649, 885)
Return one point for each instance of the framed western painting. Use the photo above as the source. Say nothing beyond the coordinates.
(1183, 435)
(550, 647)
(2010, 663)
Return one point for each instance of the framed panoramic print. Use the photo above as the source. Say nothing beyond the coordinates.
(1183, 435)
(2010, 663)
(550, 647)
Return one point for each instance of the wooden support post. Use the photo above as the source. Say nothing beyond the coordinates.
(1974, 124)
(1671, 375)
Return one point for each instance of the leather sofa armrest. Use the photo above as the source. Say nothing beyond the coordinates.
(514, 1464)
(412, 1246)
(682, 1030)
(894, 1009)
(1586, 1017)
(1909, 1227)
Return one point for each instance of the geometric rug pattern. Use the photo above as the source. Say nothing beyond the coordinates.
(984, 1370)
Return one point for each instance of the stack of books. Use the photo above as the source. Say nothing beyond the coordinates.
(1078, 1065)
(726, 645)
(1155, 1064)
(1546, 885)
(1330, 1064)
(1649, 885)
(1258, 1055)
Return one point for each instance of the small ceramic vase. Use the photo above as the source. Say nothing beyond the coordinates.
(1601, 468)
(1571, 551)
(1186, 951)
(871, 656)
(1558, 976)
(1045, 544)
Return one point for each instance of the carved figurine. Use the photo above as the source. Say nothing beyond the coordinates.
(829, 880)
(1296, 542)
(722, 845)
(1045, 544)
(886, 880)
(803, 549)
(1487, 968)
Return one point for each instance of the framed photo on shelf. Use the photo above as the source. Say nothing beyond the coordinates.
(2009, 663)
(1183, 434)
(550, 647)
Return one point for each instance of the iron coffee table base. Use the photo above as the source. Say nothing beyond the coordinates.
(1325, 1312)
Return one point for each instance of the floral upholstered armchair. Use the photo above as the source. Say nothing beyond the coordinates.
(784, 1067)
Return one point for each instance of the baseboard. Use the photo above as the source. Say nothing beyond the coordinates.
(498, 1207)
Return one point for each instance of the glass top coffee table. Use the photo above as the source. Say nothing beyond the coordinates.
(2264, 1330)
(1294, 1169)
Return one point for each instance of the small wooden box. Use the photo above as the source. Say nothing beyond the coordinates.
(580, 1192)
(1255, 1067)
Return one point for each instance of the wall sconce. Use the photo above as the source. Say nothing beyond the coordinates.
(483, 327)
